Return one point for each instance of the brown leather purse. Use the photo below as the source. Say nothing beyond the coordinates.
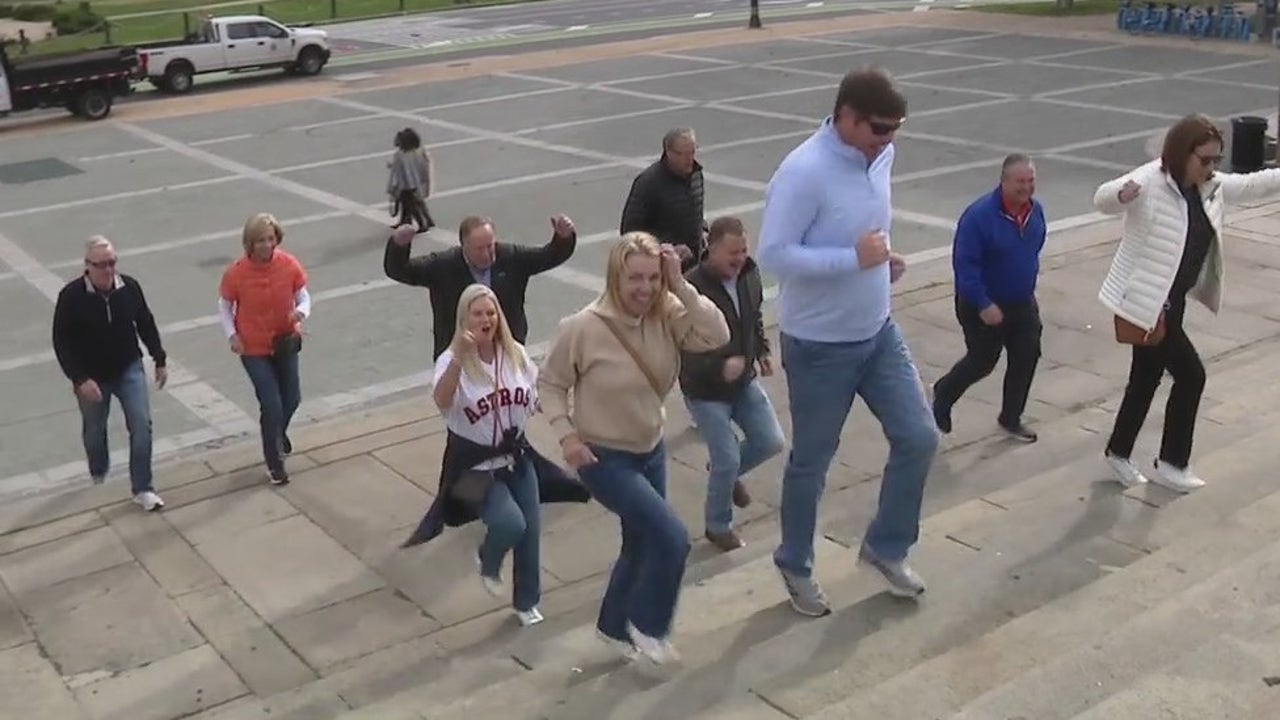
(1128, 333)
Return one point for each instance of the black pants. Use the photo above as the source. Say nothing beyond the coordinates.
(413, 209)
(1019, 334)
(1178, 356)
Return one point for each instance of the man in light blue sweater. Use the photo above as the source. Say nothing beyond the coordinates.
(825, 237)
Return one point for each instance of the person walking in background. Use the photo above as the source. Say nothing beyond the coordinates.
(97, 322)
(479, 258)
(620, 358)
(410, 180)
(720, 387)
(262, 302)
(825, 236)
(1170, 249)
(486, 388)
(996, 259)
(667, 198)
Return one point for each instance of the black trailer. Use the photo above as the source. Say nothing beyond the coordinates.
(85, 83)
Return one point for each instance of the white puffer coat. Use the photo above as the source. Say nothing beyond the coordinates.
(1155, 231)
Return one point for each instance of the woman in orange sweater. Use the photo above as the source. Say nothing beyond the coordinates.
(620, 356)
(262, 301)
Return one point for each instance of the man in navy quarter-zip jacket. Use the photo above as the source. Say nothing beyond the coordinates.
(97, 322)
(996, 258)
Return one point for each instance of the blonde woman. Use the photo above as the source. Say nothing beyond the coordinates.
(262, 302)
(620, 357)
(1170, 249)
(486, 388)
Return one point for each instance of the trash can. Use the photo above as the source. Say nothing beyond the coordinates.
(1248, 144)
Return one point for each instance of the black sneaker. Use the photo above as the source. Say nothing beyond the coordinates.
(941, 416)
(285, 445)
(1020, 432)
(279, 477)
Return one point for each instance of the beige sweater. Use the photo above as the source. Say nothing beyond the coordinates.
(613, 403)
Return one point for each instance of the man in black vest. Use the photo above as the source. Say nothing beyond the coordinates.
(720, 386)
(97, 322)
(479, 258)
(666, 198)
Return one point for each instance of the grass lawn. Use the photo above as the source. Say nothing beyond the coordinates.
(1051, 9)
(140, 21)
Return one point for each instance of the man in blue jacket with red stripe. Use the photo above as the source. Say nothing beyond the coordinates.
(996, 258)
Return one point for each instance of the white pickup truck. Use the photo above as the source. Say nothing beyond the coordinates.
(237, 42)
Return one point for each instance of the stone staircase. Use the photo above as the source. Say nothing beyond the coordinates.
(1053, 594)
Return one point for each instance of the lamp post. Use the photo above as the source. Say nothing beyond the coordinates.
(754, 23)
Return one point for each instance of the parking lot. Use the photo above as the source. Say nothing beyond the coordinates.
(520, 148)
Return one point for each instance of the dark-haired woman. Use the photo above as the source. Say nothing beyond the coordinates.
(410, 180)
(1170, 249)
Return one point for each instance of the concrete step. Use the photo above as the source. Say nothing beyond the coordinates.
(1203, 541)
(1228, 678)
(553, 656)
(1016, 560)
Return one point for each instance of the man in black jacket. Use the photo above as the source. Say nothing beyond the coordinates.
(479, 258)
(720, 387)
(666, 198)
(97, 322)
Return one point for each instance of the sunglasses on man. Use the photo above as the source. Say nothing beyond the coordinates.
(101, 264)
(882, 128)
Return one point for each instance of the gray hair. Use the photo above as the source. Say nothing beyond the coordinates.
(1013, 160)
(675, 134)
(95, 242)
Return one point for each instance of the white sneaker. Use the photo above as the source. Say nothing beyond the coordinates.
(658, 650)
(532, 616)
(1125, 472)
(148, 501)
(625, 649)
(1179, 479)
(492, 585)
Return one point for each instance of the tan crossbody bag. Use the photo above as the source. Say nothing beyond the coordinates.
(635, 355)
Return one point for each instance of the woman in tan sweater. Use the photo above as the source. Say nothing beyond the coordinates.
(620, 356)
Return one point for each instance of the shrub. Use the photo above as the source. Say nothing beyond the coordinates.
(34, 13)
(6, 11)
(69, 21)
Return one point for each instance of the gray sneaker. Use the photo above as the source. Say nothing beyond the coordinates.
(903, 581)
(806, 594)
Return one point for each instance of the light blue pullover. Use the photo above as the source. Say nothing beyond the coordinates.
(822, 198)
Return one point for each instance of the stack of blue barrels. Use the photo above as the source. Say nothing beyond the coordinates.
(1210, 21)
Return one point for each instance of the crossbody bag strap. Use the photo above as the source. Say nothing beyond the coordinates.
(644, 367)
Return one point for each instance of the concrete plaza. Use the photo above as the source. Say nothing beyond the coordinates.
(522, 146)
(1053, 593)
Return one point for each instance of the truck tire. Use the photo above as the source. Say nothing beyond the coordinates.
(310, 61)
(92, 104)
(178, 77)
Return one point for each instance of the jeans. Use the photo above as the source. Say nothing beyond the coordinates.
(511, 514)
(729, 457)
(645, 583)
(275, 382)
(1178, 356)
(1019, 335)
(822, 381)
(131, 389)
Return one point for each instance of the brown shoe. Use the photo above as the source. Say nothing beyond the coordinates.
(741, 497)
(725, 541)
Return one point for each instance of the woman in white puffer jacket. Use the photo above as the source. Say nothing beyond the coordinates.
(1170, 248)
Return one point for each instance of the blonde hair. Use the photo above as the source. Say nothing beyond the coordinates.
(502, 339)
(634, 243)
(254, 227)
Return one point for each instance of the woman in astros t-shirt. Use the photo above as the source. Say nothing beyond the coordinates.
(485, 385)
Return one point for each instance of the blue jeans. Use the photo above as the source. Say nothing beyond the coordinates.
(131, 389)
(275, 382)
(822, 381)
(645, 582)
(730, 458)
(511, 515)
